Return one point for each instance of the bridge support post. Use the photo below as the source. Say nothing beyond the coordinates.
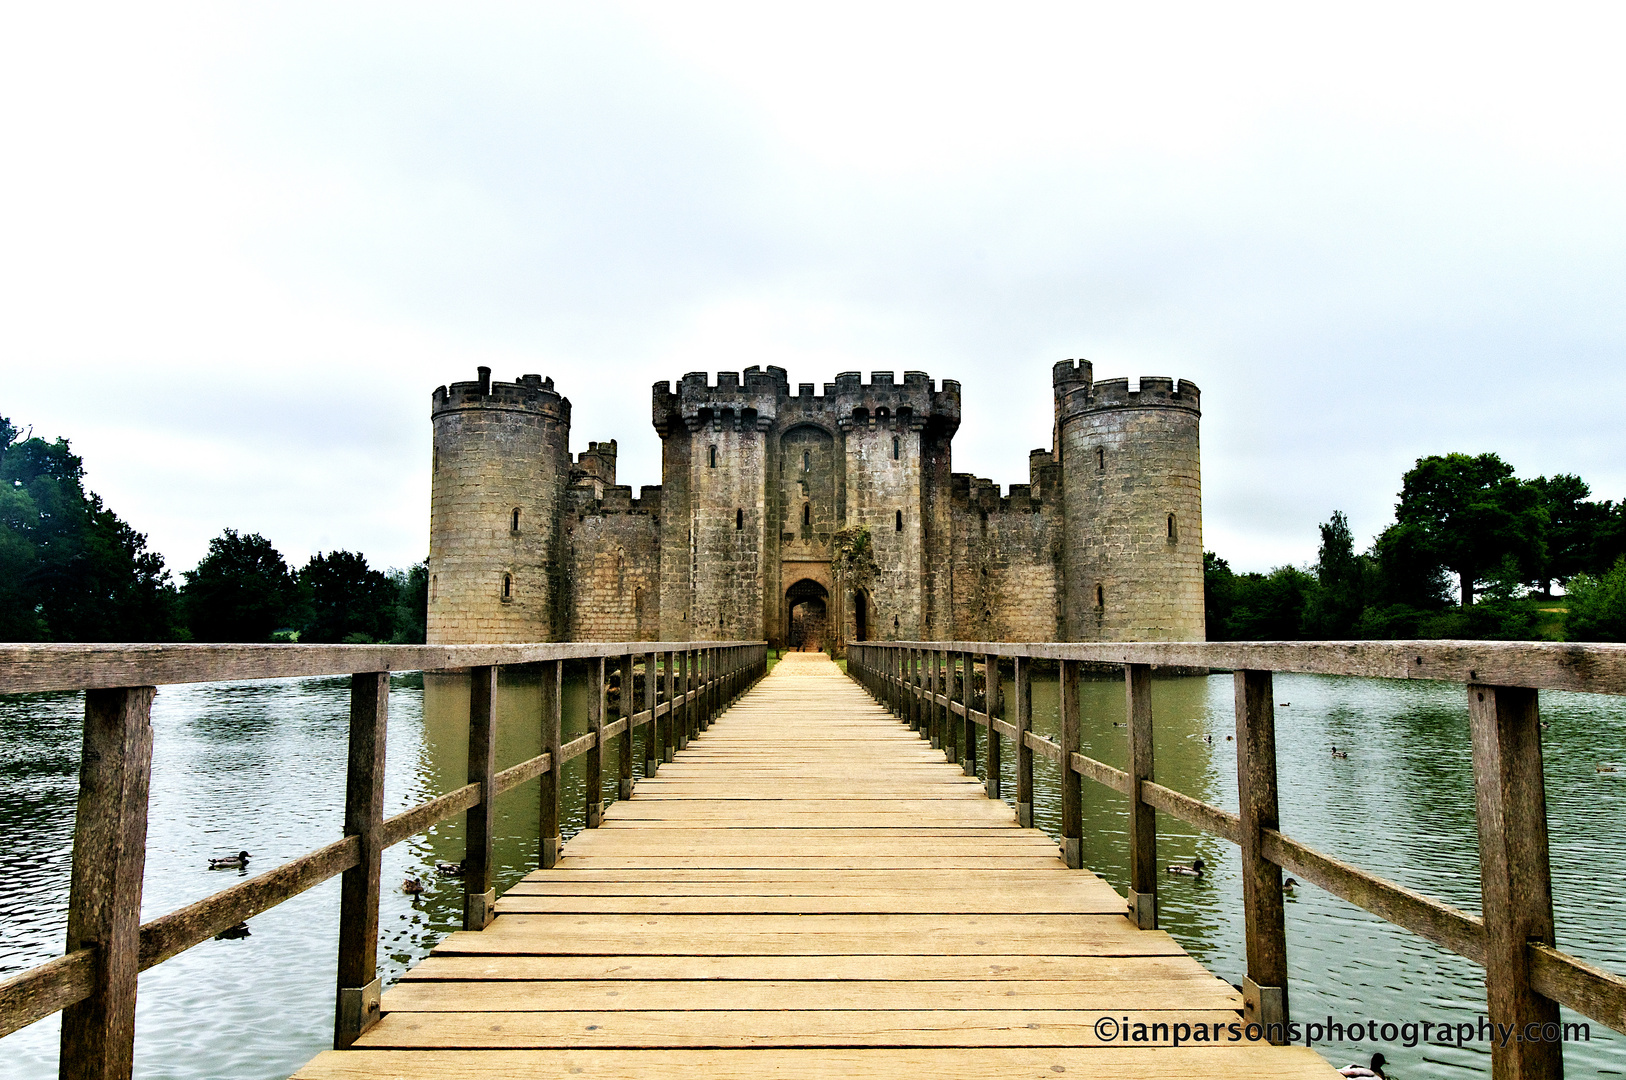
(1515, 874)
(356, 1007)
(990, 684)
(479, 894)
(1142, 818)
(968, 697)
(104, 894)
(942, 690)
(626, 705)
(652, 749)
(1024, 752)
(553, 699)
(593, 761)
(1072, 794)
(669, 740)
(1264, 991)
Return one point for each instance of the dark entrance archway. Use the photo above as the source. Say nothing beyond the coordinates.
(860, 616)
(807, 616)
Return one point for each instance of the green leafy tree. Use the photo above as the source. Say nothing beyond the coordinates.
(349, 601)
(1573, 526)
(70, 568)
(1219, 595)
(1597, 605)
(411, 616)
(1335, 604)
(240, 591)
(1470, 513)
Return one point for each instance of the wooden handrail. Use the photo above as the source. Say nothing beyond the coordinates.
(1529, 977)
(95, 983)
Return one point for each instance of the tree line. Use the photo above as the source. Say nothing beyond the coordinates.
(1473, 552)
(73, 570)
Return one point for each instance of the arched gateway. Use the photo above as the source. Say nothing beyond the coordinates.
(807, 616)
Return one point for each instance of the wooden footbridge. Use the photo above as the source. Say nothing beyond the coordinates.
(807, 890)
(809, 880)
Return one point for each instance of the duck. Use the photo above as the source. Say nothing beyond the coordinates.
(1339, 754)
(1290, 884)
(412, 886)
(1194, 870)
(230, 862)
(1375, 1069)
(1285, 705)
(232, 933)
(1609, 767)
(449, 869)
(1209, 739)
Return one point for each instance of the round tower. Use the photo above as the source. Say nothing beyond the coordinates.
(501, 465)
(1132, 508)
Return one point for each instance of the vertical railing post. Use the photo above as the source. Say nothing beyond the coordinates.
(627, 704)
(593, 760)
(944, 677)
(356, 1006)
(1024, 752)
(669, 743)
(1142, 818)
(553, 702)
(990, 688)
(652, 748)
(1515, 876)
(1264, 988)
(479, 890)
(968, 692)
(942, 734)
(914, 678)
(104, 895)
(1072, 794)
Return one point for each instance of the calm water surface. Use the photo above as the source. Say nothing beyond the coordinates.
(261, 766)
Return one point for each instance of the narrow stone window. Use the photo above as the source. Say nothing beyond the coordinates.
(711, 456)
(739, 519)
(897, 448)
(436, 456)
(1174, 532)
(508, 586)
(1101, 458)
(894, 622)
(898, 521)
(807, 515)
(513, 521)
(807, 460)
(434, 585)
(1100, 596)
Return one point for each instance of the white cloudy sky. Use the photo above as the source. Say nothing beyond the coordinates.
(240, 244)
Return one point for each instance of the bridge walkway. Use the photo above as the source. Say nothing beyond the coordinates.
(809, 890)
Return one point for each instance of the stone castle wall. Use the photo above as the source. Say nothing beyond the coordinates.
(1103, 543)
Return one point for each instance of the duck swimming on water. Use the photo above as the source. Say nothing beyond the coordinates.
(449, 869)
(230, 862)
(1376, 1068)
(1339, 754)
(1194, 870)
(412, 887)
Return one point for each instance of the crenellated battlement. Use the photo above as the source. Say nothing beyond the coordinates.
(968, 492)
(763, 398)
(1070, 373)
(531, 393)
(617, 499)
(1154, 392)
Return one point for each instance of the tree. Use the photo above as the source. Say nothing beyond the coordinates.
(1340, 594)
(70, 568)
(240, 591)
(411, 619)
(1597, 605)
(1470, 513)
(349, 601)
(1573, 524)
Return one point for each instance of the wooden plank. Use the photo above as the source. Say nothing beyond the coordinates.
(1072, 808)
(355, 1002)
(1515, 879)
(1265, 986)
(762, 1028)
(898, 903)
(104, 894)
(480, 820)
(626, 703)
(1127, 992)
(1143, 868)
(549, 840)
(40, 991)
(992, 1063)
(992, 969)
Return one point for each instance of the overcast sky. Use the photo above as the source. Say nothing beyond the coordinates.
(240, 245)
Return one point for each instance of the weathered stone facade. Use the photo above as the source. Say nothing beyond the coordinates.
(1103, 543)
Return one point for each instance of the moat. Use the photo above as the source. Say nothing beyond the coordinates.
(261, 766)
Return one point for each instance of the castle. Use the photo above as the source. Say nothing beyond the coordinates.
(760, 486)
